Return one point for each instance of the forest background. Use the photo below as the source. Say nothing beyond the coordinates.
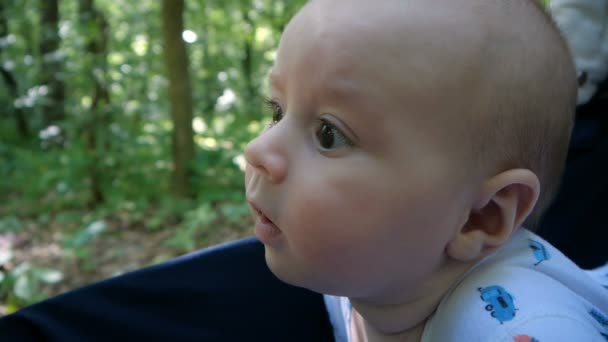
(122, 130)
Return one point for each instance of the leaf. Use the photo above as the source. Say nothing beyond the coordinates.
(10, 224)
(24, 287)
(21, 269)
(10, 308)
(49, 276)
(87, 234)
(96, 227)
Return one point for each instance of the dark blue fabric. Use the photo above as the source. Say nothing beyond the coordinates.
(225, 293)
(576, 223)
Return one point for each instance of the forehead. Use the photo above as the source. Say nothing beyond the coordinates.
(340, 54)
(414, 45)
(339, 37)
(386, 59)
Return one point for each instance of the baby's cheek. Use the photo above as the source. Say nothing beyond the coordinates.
(325, 229)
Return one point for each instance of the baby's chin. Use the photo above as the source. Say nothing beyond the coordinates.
(299, 278)
(289, 274)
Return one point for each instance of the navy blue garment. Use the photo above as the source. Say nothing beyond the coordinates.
(576, 223)
(225, 293)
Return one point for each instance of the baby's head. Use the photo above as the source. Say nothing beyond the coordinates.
(407, 135)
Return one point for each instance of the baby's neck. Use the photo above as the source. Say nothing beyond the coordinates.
(404, 320)
(365, 332)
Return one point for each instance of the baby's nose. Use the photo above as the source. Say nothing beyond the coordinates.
(267, 156)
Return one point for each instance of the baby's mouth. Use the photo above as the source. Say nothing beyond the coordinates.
(263, 218)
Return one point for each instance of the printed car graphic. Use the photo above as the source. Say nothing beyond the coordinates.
(500, 303)
(540, 252)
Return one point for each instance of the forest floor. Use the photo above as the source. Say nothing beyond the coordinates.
(117, 250)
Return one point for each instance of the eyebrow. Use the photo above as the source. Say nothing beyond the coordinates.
(340, 92)
(343, 91)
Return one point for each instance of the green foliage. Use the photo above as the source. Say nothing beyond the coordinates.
(195, 220)
(123, 147)
(22, 285)
(133, 133)
(85, 235)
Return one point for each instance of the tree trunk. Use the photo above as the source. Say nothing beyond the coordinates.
(97, 50)
(180, 95)
(208, 79)
(11, 82)
(247, 61)
(52, 62)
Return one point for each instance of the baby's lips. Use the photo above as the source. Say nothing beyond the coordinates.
(255, 209)
(258, 213)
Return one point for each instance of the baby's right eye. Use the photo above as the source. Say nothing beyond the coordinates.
(277, 111)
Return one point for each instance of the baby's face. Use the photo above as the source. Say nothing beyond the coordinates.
(355, 190)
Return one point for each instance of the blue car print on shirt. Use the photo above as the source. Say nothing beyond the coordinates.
(500, 303)
(540, 252)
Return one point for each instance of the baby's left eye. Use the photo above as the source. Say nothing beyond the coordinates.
(277, 111)
(330, 137)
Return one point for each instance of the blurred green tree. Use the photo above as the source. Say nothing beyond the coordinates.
(51, 59)
(180, 95)
(126, 117)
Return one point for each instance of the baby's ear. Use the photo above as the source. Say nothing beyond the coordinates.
(503, 203)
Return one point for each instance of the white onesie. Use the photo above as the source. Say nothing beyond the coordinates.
(527, 291)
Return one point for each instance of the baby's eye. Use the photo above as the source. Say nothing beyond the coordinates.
(277, 111)
(330, 137)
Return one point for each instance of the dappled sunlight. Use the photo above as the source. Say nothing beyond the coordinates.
(116, 58)
(222, 76)
(240, 162)
(189, 36)
(206, 143)
(198, 125)
(263, 34)
(254, 127)
(91, 134)
(225, 101)
(86, 102)
(140, 45)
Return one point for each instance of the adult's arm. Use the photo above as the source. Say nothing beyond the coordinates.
(584, 24)
(225, 293)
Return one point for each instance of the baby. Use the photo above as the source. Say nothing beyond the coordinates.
(410, 142)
